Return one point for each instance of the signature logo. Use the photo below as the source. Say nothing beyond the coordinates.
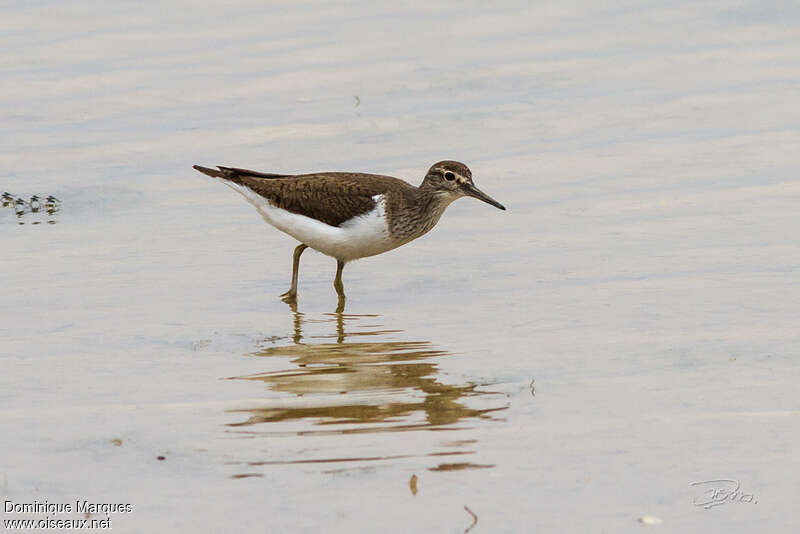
(721, 491)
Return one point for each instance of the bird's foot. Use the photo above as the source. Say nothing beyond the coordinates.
(289, 296)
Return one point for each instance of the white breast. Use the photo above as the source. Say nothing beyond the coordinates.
(362, 236)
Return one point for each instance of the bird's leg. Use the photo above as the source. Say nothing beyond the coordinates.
(337, 283)
(292, 293)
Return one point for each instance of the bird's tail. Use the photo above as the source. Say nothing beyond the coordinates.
(234, 174)
(210, 172)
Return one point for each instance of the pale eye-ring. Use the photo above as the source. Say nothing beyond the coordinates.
(449, 176)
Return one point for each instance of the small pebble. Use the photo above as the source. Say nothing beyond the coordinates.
(413, 484)
(650, 520)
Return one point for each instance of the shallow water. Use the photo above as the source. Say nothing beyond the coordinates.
(627, 328)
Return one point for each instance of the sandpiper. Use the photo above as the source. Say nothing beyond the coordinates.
(19, 207)
(35, 203)
(349, 215)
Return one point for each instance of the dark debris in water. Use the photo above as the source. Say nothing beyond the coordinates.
(33, 209)
(460, 466)
(474, 519)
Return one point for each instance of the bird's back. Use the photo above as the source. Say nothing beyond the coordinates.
(329, 197)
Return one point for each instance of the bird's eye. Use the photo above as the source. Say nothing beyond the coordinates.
(449, 176)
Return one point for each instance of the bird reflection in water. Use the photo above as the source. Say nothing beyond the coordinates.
(355, 381)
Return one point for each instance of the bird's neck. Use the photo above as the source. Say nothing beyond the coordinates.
(422, 211)
(431, 205)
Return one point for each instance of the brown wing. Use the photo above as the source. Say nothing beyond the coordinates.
(332, 198)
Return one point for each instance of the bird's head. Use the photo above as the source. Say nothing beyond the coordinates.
(453, 180)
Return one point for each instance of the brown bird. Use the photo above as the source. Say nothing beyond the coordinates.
(349, 215)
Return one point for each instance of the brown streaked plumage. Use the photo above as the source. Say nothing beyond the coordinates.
(330, 197)
(350, 215)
